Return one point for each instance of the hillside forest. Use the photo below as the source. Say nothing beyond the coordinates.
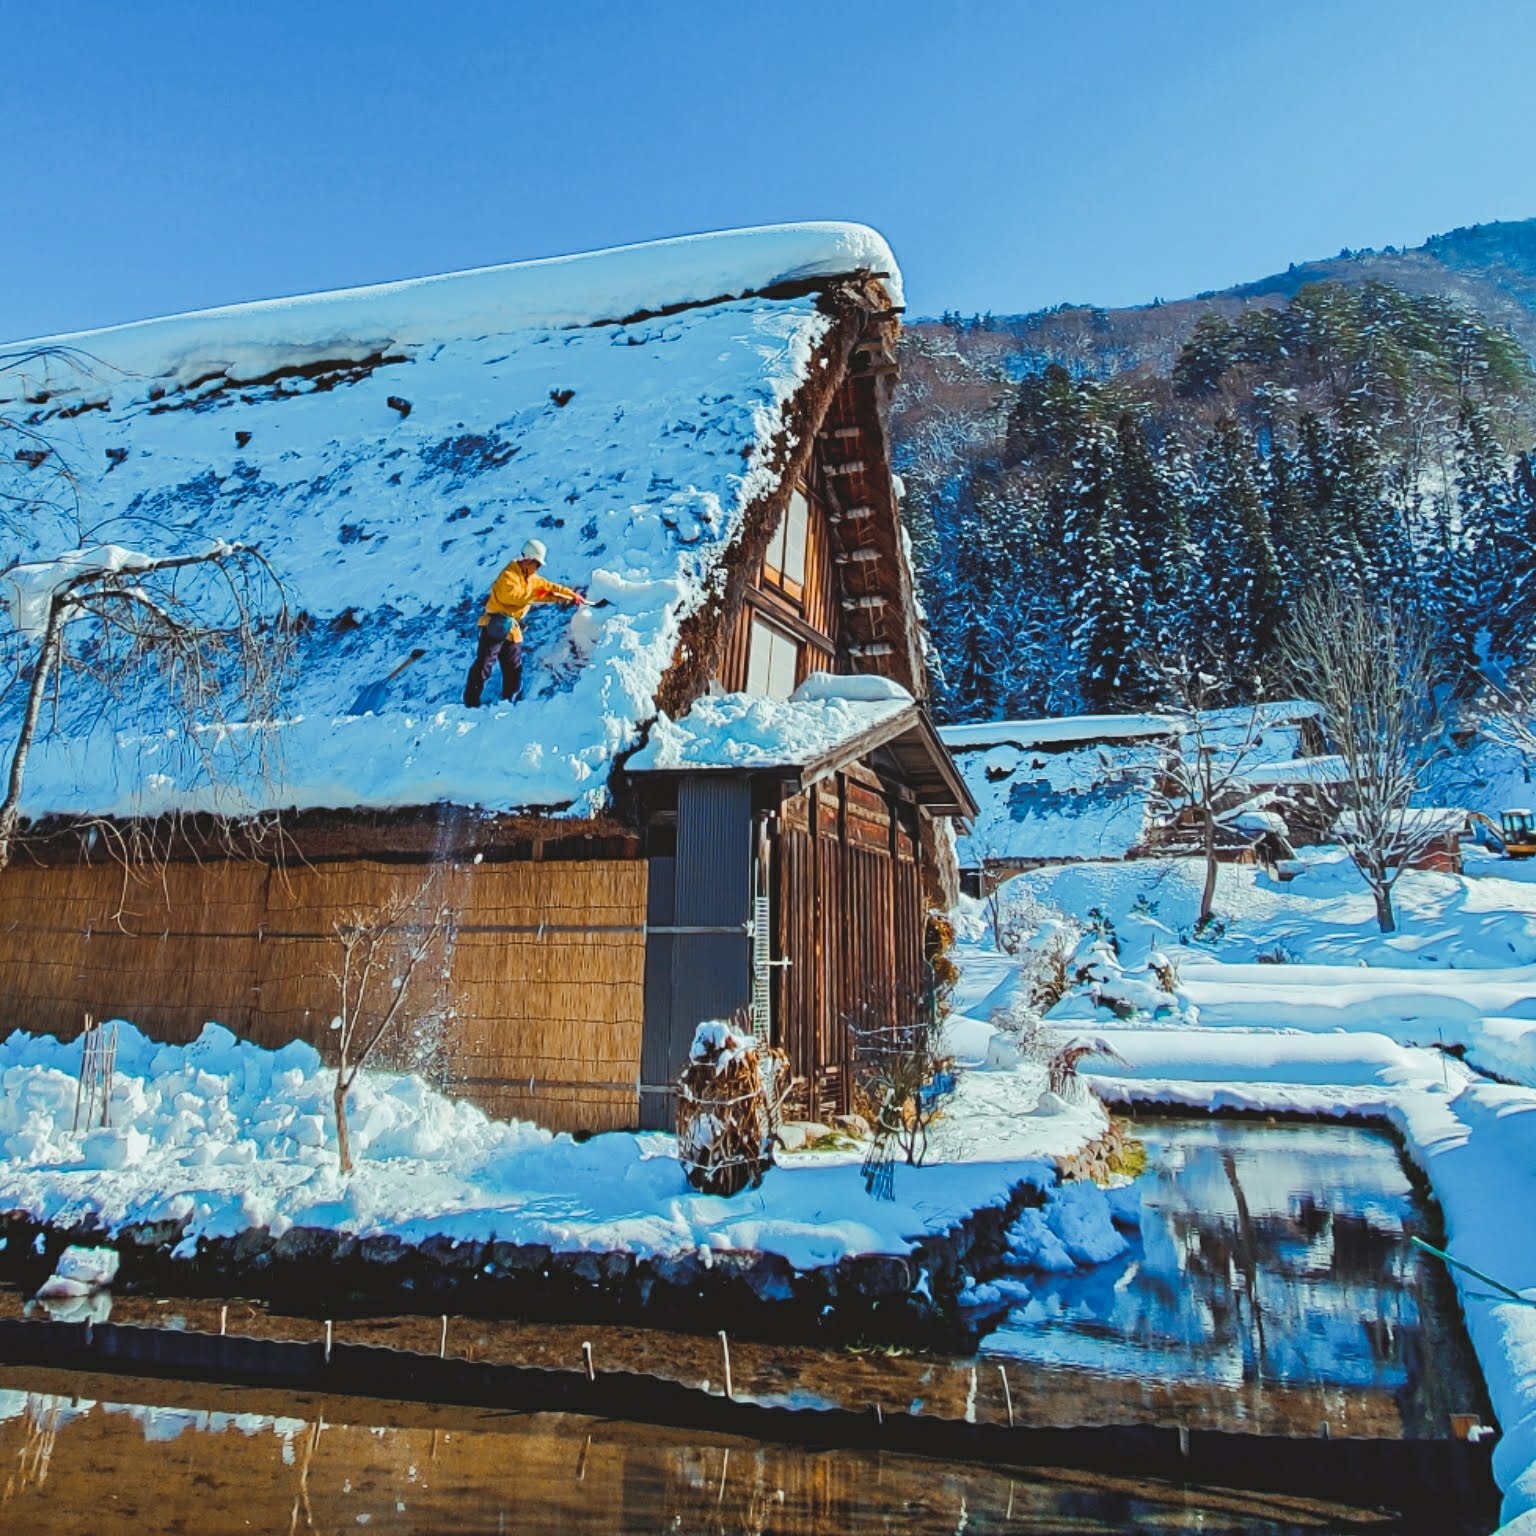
(1095, 494)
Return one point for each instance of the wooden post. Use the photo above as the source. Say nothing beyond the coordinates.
(1007, 1394)
(725, 1350)
(442, 1341)
(586, 1358)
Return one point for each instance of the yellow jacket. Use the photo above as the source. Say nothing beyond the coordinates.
(514, 592)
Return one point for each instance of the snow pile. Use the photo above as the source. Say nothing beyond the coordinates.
(739, 730)
(387, 497)
(228, 1137)
(1073, 1230)
(80, 1272)
(717, 1045)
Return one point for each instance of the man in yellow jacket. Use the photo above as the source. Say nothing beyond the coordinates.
(513, 593)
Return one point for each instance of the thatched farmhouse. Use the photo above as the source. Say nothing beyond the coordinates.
(1098, 787)
(720, 788)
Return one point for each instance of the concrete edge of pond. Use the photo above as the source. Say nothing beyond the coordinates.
(317, 1272)
(1422, 1479)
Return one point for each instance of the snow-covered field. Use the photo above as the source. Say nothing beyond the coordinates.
(1299, 1004)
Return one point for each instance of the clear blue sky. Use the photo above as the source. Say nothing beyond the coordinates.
(171, 154)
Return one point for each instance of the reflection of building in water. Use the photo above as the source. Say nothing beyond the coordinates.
(1267, 1256)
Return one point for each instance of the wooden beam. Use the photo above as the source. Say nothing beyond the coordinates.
(781, 614)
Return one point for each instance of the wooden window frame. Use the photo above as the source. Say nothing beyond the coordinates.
(776, 635)
(780, 560)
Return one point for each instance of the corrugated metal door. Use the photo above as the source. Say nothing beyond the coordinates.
(698, 954)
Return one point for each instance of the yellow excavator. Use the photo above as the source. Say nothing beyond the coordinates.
(1514, 832)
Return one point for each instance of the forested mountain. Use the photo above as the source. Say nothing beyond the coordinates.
(1092, 492)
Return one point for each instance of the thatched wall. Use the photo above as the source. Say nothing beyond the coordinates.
(541, 972)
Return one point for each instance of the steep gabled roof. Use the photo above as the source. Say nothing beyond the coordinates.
(389, 449)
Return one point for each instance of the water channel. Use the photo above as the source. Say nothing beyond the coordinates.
(1268, 1287)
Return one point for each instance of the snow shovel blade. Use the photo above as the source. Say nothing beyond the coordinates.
(373, 698)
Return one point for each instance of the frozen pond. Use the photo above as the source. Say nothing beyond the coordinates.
(1272, 1265)
(120, 1457)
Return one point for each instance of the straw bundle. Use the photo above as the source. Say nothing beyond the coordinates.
(728, 1102)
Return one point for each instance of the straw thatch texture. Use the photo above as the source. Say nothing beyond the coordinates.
(541, 976)
(728, 1101)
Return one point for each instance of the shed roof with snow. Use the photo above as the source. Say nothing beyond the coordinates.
(388, 449)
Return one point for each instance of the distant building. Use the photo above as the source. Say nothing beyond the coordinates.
(1096, 787)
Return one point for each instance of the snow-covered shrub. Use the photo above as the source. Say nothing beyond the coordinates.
(728, 1102)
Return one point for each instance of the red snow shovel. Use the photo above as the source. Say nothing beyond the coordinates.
(373, 698)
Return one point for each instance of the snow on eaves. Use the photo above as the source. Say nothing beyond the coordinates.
(1080, 730)
(387, 499)
(249, 341)
(737, 730)
(1067, 730)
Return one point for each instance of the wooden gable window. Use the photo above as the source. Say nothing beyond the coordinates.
(784, 563)
(773, 660)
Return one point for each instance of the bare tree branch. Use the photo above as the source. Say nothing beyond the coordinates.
(1368, 665)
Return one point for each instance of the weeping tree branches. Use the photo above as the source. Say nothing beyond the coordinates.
(195, 646)
(1369, 664)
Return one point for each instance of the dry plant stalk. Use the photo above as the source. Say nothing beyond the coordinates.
(729, 1098)
(374, 944)
(900, 1073)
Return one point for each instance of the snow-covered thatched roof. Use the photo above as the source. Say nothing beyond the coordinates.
(388, 449)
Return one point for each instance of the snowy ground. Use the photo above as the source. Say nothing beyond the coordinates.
(231, 1137)
(1301, 1005)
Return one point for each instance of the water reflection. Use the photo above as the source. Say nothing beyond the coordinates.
(162, 1458)
(1265, 1255)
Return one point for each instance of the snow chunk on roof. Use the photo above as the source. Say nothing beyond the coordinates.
(738, 730)
(247, 341)
(857, 688)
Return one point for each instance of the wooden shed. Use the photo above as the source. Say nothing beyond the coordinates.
(722, 786)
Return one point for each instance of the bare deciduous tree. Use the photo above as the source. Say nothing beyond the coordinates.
(203, 636)
(383, 951)
(1367, 663)
(1203, 772)
(1505, 711)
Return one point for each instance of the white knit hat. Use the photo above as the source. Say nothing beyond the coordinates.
(534, 550)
